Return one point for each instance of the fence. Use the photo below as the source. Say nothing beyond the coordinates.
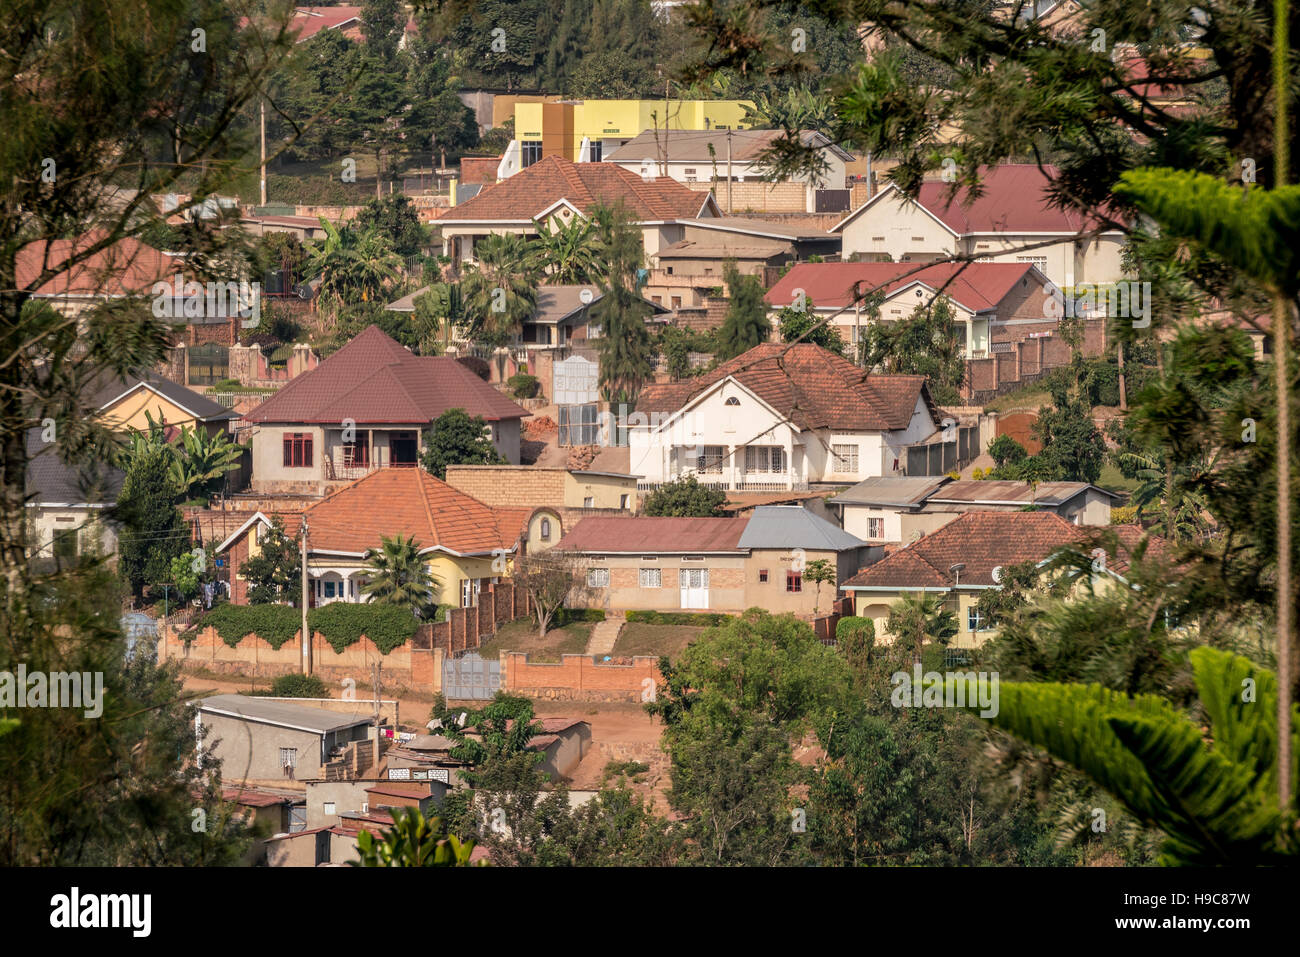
(940, 458)
(824, 627)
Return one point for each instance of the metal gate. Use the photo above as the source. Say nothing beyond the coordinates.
(470, 677)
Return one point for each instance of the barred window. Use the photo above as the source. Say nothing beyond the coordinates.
(845, 458)
(297, 450)
(651, 578)
(597, 577)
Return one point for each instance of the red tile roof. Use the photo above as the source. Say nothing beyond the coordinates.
(655, 534)
(410, 502)
(309, 21)
(811, 386)
(128, 267)
(525, 195)
(979, 287)
(374, 380)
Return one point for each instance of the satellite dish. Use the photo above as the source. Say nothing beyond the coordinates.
(586, 296)
(997, 574)
(916, 537)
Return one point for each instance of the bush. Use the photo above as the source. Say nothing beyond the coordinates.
(1123, 515)
(855, 628)
(1005, 449)
(566, 616)
(524, 386)
(299, 686)
(343, 624)
(701, 618)
(477, 366)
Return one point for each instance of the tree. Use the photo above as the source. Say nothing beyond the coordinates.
(457, 438)
(274, 574)
(570, 253)
(917, 618)
(627, 353)
(153, 531)
(745, 324)
(855, 638)
(200, 463)
(383, 22)
(1004, 449)
(413, 840)
(684, 497)
(499, 290)
(399, 575)
(353, 266)
(550, 579)
(1072, 446)
(394, 217)
(928, 343)
(436, 312)
(803, 325)
(820, 571)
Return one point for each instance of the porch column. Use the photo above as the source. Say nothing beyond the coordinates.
(731, 474)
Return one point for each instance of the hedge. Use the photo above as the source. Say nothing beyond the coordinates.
(274, 624)
(707, 619)
(343, 624)
(566, 616)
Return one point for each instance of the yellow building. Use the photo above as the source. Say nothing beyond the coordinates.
(127, 404)
(587, 130)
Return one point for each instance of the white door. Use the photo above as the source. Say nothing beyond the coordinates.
(695, 587)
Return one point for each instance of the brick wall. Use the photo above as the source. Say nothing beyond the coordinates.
(580, 678)
(508, 487)
(760, 197)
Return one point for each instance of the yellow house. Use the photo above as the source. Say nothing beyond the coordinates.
(587, 130)
(965, 558)
(463, 543)
(128, 403)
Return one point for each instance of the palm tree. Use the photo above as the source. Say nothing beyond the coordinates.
(400, 576)
(1181, 511)
(201, 462)
(572, 253)
(499, 291)
(919, 617)
(353, 266)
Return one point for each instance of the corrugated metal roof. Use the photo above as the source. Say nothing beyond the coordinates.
(884, 490)
(793, 526)
(285, 715)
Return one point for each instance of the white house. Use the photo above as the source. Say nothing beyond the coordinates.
(1013, 212)
(779, 417)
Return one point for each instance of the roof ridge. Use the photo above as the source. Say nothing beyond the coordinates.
(428, 507)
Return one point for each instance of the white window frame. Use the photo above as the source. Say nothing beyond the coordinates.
(714, 456)
(597, 577)
(842, 456)
(651, 577)
(975, 621)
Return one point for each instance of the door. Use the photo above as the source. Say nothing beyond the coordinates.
(695, 587)
(403, 449)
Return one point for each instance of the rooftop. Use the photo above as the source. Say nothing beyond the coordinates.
(793, 526)
(978, 287)
(53, 481)
(886, 490)
(999, 492)
(709, 146)
(641, 533)
(298, 716)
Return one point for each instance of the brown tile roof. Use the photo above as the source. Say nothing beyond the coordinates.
(129, 267)
(655, 534)
(374, 380)
(981, 540)
(410, 502)
(979, 287)
(525, 195)
(252, 798)
(811, 386)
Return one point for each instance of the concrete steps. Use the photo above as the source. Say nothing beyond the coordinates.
(605, 634)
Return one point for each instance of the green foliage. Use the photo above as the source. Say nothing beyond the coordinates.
(1004, 449)
(1213, 798)
(274, 574)
(572, 253)
(855, 637)
(201, 462)
(413, 840)
(394, 217)
(920, 618)
(928, 343)
(274, 624)
(153, 531)
(567, 616)
(499, 290)
(184, 577)
(457, 438)
(343, 623)
(708, 619)
(399, 577)
(626, 350)
(806, 326)
(354, 265)
(746, 324)
(299, 686)
(684, 497)
(524, 386)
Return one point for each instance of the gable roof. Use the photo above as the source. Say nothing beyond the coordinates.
(889, 491)
(793, 526)
(554, 179)
(693, 146)
(126, 268)
(412, 503)
(112, 389)
(977, 287)
(981, 540)
(811, 386)
(374, 380)
(51, 481)
(1015, 198)
(642, 533)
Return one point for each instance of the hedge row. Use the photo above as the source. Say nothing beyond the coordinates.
(707, 619)
(340, 623)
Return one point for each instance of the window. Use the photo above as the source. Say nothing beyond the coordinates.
(531, 152)
(794, 581)
(288, 758)
(546, 529)
(764, 458)
(357, 454)
(650, 578)
(330, 807)
(329, 589)
(762, 576)
(875, 528)
(467, 593)
(597, 577)
(589, 502)
(845, 458)
(974, 620)
(676, 300)
(65, 544)
(297, 450)
(732, 401)
(1039, 261)
(595, 150)
(622, 501)
(711, 458)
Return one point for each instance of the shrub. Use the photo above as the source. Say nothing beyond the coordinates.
(1005, 449)
(855, 628)
(1123, 515)
(299, 686)
(477, 366)
(566, 616)
(524, 386)
(343, 624)
(274, 624)
(701, 618)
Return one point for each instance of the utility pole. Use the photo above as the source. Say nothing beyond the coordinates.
(306, 635)
(263, 164)
(379, 667)
(1123, 391)
(729, 210)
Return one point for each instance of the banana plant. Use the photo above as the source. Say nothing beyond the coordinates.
(413, 841)
(200, 462)
(1210, 790)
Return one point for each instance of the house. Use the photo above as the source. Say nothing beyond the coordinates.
(554, 191)
(570, 494)
(329, 802)
(900, 510)
(128, 403)
(260, 739)
(965, 558)
(68, 506)
(127, 268)
(684, 274)
(562, 742)
(465, 543)
(994, 304)
(562, 317)
(1014, 209)
(305, 228)
(587, 131)
(722, 564)
(779, 417)
(723, 157)
(365, 408)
